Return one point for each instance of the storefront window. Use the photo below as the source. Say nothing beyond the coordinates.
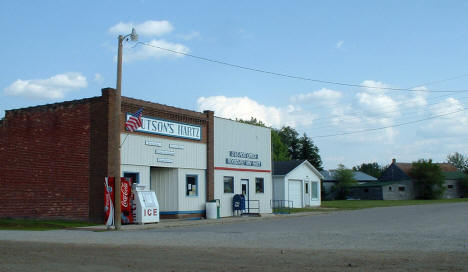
(259, 185)
(133, 176)
(191, 185)
(314, 186)
(228, 185)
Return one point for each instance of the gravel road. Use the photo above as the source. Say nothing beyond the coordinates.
(426, 237)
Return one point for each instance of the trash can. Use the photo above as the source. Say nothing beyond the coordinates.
(211, 210)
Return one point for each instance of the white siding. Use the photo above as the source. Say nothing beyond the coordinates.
(234, 136)
(302, 173)
(226, 198)
(192, 203)
(164, 181)
(134, 151)
(278, 188)
(143, 171)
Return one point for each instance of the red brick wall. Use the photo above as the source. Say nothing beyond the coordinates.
(45, 161)
(53, 158)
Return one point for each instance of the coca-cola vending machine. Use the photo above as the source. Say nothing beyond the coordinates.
(125, 200)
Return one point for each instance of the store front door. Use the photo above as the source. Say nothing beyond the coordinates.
(245, 192)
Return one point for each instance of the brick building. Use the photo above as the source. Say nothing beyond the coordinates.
(54, 158)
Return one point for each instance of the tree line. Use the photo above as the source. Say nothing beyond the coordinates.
(428, 176)
(288, 145)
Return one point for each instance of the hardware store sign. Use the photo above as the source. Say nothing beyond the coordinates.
(168, 128)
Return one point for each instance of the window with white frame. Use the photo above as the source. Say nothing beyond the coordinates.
(314, 187)
(191, 185)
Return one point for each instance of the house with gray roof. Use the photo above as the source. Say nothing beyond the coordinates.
(329, 180)
(396, 183)
(296, 184)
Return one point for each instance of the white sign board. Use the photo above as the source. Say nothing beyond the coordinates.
(145, 204)
(169, 128)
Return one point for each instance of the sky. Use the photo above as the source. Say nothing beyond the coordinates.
(55, 51)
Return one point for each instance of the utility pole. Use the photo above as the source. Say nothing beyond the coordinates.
(116, 129)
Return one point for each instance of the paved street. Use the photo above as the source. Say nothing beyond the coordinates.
(431, 236)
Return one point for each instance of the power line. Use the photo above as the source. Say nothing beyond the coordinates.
(401, 103)
(328, 82)
(380, 128)
(296, 77)
(358, 115)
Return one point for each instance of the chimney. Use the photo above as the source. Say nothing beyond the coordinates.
(393, 160)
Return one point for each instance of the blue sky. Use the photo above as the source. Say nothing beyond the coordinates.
(55, 51)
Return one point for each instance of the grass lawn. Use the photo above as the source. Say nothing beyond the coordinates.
(363, 204)
(32, 224)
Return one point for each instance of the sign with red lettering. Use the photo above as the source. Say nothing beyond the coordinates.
(126, 204)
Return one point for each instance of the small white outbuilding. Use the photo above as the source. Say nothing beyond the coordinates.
(296, 184)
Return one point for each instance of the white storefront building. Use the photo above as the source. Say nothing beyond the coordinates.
(242, 164)
(172, 158)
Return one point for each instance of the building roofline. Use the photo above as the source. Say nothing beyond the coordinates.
(51, 105)
(141, 102)
(228, 119)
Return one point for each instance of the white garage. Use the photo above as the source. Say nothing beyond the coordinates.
(296, 184)
(295, 192)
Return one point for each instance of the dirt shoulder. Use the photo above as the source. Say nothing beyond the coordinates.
(31, 256)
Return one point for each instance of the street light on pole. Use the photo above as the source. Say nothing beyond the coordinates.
(115, 135)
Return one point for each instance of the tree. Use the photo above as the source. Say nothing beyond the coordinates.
(372, 169)
(429, 179)
(289, 137)
(345, 179)
(287, 145)
(458, 161)
(252, 121)
(280, 150)
(309, 151)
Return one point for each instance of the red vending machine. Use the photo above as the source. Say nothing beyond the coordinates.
(125, 201)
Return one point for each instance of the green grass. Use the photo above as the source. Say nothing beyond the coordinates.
(33, 224)
(364, 204)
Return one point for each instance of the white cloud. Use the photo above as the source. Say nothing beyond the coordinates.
(190, 36)
(54, 87)
(151, 51)
(374, 86)
(245, 108)
(147, 28)
(378, 104)
(450, 104)
(339, 44)
(418, 98)
(451, 124)
(321, 95)
(373, 99)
